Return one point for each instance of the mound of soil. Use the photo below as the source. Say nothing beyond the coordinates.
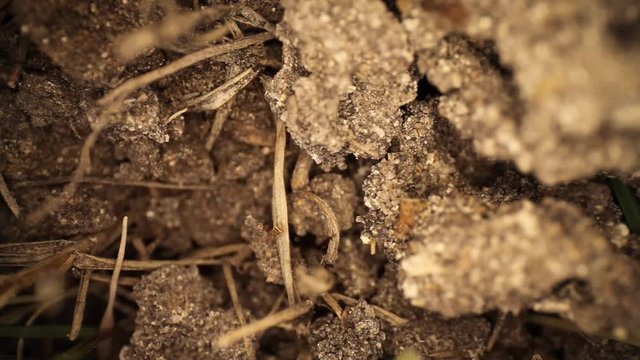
(460, 176)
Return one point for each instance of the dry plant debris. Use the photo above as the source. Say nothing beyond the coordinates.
(371, 179)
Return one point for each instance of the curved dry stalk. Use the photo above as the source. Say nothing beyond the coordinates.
(108, 322)
(382, 313)
(265, 323)
(280, 212)
(81, 301)
(334, 244)
(233, 292)
(300, 177)
(129, 86)
(8, 197)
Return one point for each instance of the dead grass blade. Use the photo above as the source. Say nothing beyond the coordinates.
(108, 322)
(86, 261)
(382, 313)
(8, 197)
(233, 292)
(222, 94)
(11, 285)
(265, 323)
(334, 244)
(253, 18)
(23, 254)
(129, 86)
(81, 301)
(279, 212)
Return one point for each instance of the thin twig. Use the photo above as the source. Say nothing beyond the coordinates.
(114, 182)
(334, 244)
(81, 301)
(382, 313)
(265, 323)
(233, 292)
(8, 197)
(496, 330)
(131, 85)
(300, 177)
(279, 212)
(108, 322)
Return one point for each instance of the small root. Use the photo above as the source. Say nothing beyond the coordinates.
(108, 321)
(233, 292)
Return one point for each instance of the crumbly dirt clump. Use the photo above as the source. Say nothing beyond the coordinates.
(358, 335)
(179, 313)
(472, 279)
(340, 91)
(560, 76)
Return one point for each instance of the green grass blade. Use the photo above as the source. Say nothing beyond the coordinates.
(628, 202)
